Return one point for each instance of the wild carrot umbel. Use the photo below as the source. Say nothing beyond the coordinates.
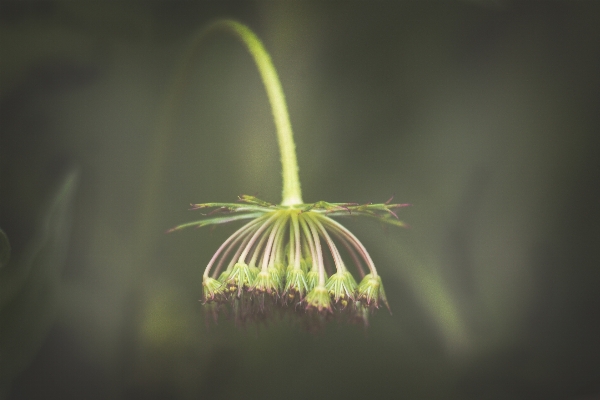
(286, 256)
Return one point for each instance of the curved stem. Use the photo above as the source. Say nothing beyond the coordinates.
(316, 240)
(291, 183)
(231, 238)
(268, 255)
(256, 234)
(162, 138)
(258, 248)
(297, 238)
(337, 259)
(341, 229)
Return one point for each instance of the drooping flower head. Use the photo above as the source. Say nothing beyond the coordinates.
(287, 257)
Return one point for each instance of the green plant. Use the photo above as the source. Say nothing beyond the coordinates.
(277, 259)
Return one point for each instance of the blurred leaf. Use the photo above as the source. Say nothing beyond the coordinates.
(4, 249)
(29, 287)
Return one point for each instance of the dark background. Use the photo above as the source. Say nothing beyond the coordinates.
(483, 115)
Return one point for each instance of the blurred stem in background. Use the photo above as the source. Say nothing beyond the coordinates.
(31, 285)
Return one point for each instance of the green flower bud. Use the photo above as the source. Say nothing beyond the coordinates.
(267, 282)
(341, 286)
(213, 290)
(296, 285)
(241, 277)
(371, 292)
(318, 300)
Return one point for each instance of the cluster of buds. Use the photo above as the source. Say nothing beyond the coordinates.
(278, 261)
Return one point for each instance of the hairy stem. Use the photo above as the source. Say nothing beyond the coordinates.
(291, 183)
(163, 138)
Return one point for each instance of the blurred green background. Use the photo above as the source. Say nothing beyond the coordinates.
(482, 114)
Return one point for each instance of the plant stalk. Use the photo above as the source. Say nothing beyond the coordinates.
(291, 194)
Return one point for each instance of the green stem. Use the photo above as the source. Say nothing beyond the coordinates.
(163, 137)
(291, 183)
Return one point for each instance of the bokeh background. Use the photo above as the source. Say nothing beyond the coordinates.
(482, 114)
